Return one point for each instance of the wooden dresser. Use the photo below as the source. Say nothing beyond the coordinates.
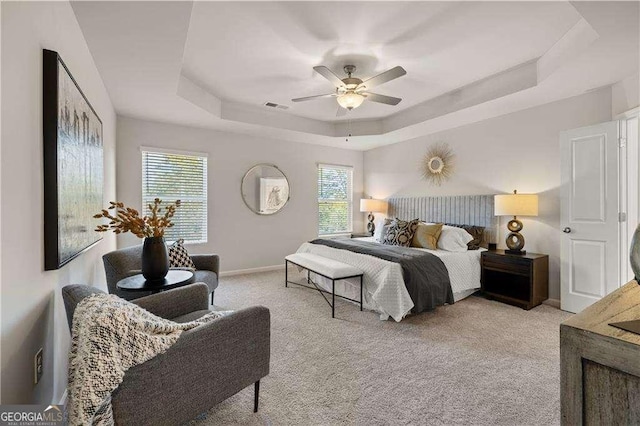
(600, 364)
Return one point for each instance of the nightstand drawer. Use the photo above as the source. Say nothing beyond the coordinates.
(360, 235)
(514, 266)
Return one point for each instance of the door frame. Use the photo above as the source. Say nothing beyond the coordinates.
(629, 186)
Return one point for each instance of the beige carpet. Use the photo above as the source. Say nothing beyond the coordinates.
(476, 362)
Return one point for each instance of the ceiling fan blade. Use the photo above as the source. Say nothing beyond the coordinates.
(341, 112)
(310, 98)
(329, 75)
(379, 79)
(383, 99)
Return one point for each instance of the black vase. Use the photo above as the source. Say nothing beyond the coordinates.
(155, 259)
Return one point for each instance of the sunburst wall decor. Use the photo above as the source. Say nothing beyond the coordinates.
(437, 165)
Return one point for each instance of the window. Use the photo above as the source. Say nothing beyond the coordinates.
(335, 199)
(173, 176)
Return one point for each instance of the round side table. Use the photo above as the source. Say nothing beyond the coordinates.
(174, 279)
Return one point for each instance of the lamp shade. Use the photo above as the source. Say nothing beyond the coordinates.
(516, 205)
(371, 205)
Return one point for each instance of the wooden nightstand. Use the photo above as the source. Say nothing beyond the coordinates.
(360, 234)
(520, 280)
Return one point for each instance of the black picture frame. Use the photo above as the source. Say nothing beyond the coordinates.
(73, 165)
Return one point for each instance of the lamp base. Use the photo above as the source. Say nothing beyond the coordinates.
(519, 252)
(370, 226)
(515, 240)
(631, 326)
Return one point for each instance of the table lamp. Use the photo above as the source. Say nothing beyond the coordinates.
(515, 205)
(372, 206)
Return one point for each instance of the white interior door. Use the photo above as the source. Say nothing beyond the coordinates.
(589, 214)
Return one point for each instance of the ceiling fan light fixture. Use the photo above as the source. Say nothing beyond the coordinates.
(350, 100)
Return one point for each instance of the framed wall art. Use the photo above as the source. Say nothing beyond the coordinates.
(274, 194)
(73, 165)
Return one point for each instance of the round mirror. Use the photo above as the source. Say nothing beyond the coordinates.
(265, 189)
(436, 165)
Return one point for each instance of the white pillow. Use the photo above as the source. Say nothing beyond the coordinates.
(378, 222)
(454, 239)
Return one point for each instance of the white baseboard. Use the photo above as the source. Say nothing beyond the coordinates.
(252, 270)
(553, 302)
(63, 400)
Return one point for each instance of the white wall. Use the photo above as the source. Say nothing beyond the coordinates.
(243, 239)
(1, 139)
(32, 310)
(515, 151)
(625, 95)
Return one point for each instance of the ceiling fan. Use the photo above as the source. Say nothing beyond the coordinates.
(351, 91)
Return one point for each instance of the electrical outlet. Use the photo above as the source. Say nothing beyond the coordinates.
(37, 367)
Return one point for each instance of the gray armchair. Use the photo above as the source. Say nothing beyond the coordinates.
(125, 262)
(207, 364)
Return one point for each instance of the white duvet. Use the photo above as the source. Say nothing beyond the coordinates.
(384, 289)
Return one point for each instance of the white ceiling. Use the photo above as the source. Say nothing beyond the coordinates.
(214, 64)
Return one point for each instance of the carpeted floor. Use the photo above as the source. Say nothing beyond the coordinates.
(477, 362)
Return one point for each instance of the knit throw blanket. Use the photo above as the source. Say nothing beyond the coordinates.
(109, 336)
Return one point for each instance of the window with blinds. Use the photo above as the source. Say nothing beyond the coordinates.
(335, 199)
(176, 176)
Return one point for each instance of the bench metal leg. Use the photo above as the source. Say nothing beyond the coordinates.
(286, 273)
(333, 298)
(361, 277)
(256, 396)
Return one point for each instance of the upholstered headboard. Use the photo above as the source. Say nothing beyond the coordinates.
(459, 209)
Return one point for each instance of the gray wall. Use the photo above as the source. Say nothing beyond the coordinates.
(243, 239)
(515, 151)
(32, 311)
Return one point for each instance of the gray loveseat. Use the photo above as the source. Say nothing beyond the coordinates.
(207, 364)
(125, 262)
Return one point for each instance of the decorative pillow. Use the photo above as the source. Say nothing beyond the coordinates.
(477, 232)
(400, 232)
(426, 236)
(179, 256)
(381, 229)
(454, 239)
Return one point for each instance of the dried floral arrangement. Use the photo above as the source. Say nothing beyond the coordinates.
(125, 219)
(437, 165)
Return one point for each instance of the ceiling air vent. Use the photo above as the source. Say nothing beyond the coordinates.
(274, 105)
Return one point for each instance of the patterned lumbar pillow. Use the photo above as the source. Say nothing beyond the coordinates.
(427, 235)
(179, 256)
(400, 232)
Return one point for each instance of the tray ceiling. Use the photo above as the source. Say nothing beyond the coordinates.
(215, 64)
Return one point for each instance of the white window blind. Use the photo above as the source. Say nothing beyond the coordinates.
(335, 199)
(175, 176)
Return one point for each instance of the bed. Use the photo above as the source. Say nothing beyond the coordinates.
(385, 290)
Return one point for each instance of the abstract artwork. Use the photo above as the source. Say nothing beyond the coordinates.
(73, 165)
(274, 193)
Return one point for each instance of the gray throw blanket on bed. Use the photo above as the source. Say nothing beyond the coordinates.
(425, 276)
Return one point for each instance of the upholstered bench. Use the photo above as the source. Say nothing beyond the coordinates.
(328, 268)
